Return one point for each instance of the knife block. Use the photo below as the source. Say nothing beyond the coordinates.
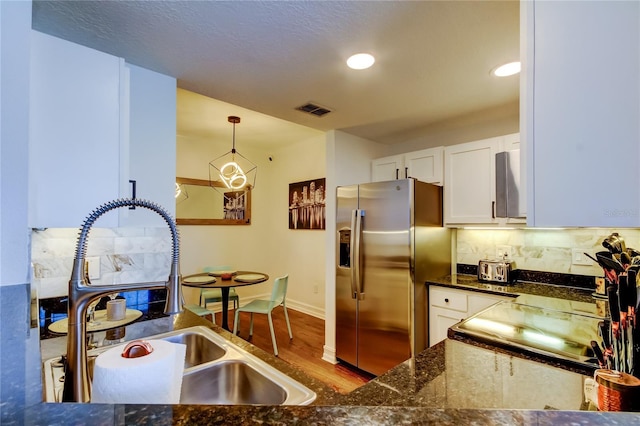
(617, 391)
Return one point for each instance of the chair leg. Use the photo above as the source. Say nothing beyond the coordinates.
(236, 322)
(273, 335)
(286, 317)
(251, 325)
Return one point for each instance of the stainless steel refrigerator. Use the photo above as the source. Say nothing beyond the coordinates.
(390, 241)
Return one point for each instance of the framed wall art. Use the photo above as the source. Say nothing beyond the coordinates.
(307, 204)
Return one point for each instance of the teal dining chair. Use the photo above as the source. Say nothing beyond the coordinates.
(213, 295)
(278, 296)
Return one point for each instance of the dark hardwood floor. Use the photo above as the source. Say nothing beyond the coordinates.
(304, 350)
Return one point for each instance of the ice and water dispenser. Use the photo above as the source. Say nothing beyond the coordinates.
(345, 248)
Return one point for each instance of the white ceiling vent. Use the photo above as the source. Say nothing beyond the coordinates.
(314, 109)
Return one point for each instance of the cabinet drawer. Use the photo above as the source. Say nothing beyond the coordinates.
(449, 299)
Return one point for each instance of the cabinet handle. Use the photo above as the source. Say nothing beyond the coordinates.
(397, 170)
(406, 173)
(493, 210)
(133, 192)
(446, 300)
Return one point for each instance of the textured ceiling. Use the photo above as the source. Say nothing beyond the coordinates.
(433, 57)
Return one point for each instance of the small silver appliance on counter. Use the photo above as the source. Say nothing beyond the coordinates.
(496, 271)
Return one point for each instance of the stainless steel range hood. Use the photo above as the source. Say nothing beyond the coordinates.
(508, 185)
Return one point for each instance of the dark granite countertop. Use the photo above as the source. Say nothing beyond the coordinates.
(451, 383)
(470, 282)
(551, 296)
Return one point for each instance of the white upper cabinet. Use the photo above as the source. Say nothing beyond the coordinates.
(95, 124)
(470, 181)
(469, 194)
(74, 129)
(152, 145)
(424, 165)
(580, 115)
(470, 175)
(387, 168)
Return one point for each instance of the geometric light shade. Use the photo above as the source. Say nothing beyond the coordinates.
(232, 172)
(181, 193)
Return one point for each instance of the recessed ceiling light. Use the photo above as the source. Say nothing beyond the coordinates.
(360, 61)
(507, 69)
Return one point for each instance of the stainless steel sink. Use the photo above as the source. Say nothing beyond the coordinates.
(200, 349)
(216, 372)
(231, 382)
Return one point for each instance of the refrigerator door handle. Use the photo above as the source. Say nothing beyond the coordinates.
(356, 235)
(353, 252)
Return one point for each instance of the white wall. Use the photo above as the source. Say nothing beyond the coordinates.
(15, 33)
(301, 252)
(498, 121)
(267, 245)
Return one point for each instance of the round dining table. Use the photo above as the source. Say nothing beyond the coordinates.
(99, 323)
(214, 280)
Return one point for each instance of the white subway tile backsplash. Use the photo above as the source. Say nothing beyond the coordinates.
(127, 255)
(546, 250)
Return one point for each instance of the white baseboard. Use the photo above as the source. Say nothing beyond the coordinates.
(329, 354)
(306, 309)
(291, 304)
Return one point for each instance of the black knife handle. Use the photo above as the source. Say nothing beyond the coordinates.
(604, 326)
(623, 291)
(614, 308)
(632, 290)
(598, 352)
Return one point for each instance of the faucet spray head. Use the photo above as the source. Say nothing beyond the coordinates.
(175, 300)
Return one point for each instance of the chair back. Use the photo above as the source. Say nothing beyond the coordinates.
(279, 291)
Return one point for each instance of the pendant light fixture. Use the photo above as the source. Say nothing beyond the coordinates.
(181, 193)
(232, 172)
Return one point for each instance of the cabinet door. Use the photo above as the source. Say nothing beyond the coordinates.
(479, 301)
(448, 306)
(440, 320)
(74, 132)
(425, 165)
(151, 159)
(579, 130)
(516, 371)
(469, 193)
(387, 168)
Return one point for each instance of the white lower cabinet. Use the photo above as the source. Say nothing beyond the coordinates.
(478, 378)
(449, 306)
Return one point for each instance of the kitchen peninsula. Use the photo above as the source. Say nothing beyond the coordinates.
(427, 389)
